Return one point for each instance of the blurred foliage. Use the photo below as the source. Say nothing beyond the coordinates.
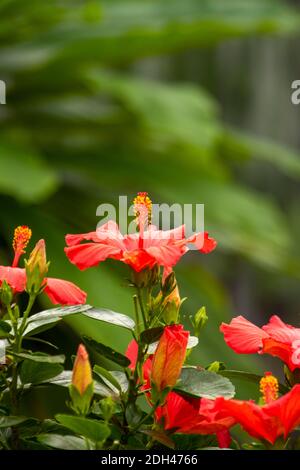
(80, 127)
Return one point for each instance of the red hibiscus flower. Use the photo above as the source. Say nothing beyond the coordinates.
(278, 417)
(145, 249)
(59, 291)
(276, 338)
(187, 415)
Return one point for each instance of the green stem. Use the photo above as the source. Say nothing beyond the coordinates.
(25, 316)
(14, 322)
(17, 348)
(141, 303)
(136, 310)
(143, 420)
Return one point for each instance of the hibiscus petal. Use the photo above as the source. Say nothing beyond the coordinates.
(252, 418)
(287, 408)
(243, 336)
(108, 233)
(166, 255)
(75, 239)
(15, 277)
(64, 292)
(138, 260)
(281, 331)
(278, 349)
(132, 353)
(224, 438)
(87, 255)
(203, 242)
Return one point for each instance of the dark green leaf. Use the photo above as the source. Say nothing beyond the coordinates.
(92, 429)
(202, 383)
(5, 328)
(48, 318)
(39, 357)
(109, 316)
(34, 372)
(152, 335)
(107, 352)
(7, 421)
(107, 377)
(62, 442)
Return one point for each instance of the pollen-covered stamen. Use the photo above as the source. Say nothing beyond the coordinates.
(21, 239)
(268, 387)
(143, 208)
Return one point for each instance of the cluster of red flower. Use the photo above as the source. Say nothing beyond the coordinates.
(150, 248)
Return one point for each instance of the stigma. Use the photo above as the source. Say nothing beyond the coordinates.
(142, 208)
(268, 387)
(22, 236)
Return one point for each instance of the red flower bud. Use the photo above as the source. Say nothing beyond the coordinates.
(169, 357)
(82, 372)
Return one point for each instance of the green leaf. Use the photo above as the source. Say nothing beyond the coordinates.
(48, 318)
(62, 442)
(39, 357)
(5, 328)
(248, 377)
(107, 352)
(107, 377)
(92, 429)
(151, 335)
(8, 421)
(202, 383)
(109, 316)
(33, 372)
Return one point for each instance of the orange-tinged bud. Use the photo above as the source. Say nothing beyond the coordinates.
(38, 258)
(169, 357)
(171, 297)
(21, 239)
(36, 267)
(82, 371)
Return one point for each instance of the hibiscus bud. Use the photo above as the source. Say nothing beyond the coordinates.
(216, 366)
(81, 389)
(169, 282)
(171, 298)
(107, 406)
(82, 372)
(200, 320)
(146, 277)
(36, 268)
(171, 306)
(169, 358)
(6, 294)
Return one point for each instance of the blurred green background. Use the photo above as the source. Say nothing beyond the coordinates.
(188, 100)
